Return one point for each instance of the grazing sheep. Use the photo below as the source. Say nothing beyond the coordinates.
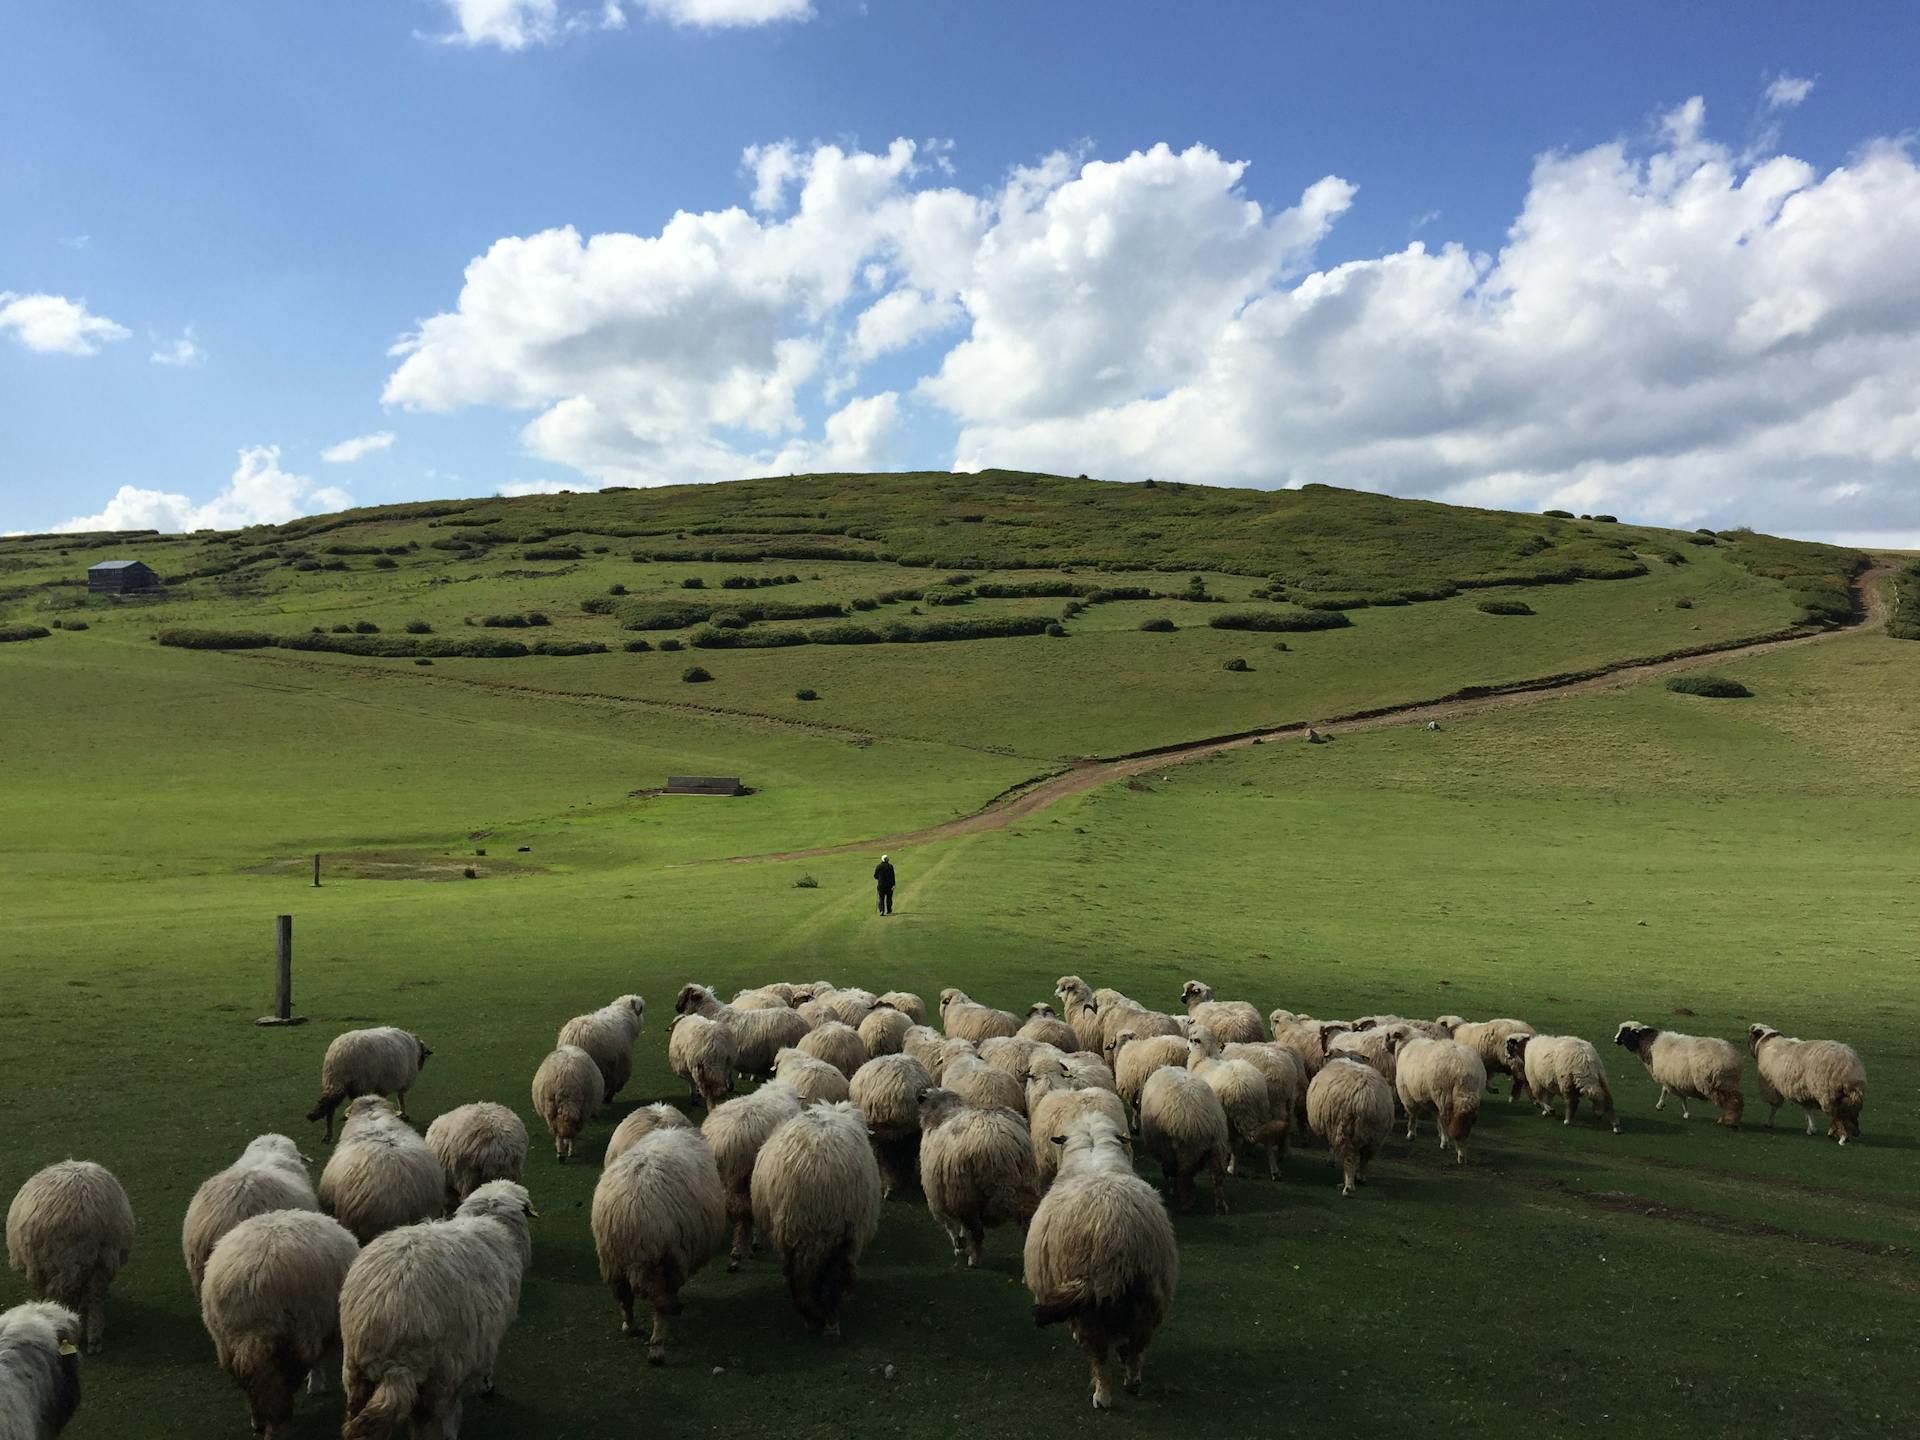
(1045, 1027)
(962, 1019)
(608, 1035)
(758, 1035)
(978, 1083)
(946, 1052)
(850, 1006)
(382, 1174)
(764, 997)
(1350, 1106)
(1822, 1075)
(1083, 1015)
(1488, 1040)
(1694, 1067)
(703, 1053)
(1562, 1065)
(1184, 1127)
(566, 1094)
(1011, 1053)
(639, 1123)
(1233, 1021)
(887, 1090)
(381, 1061)
(1054, 1102)
(976, 1169)
(816, 1196)
(884, 1030)
(812, 1080)
(1373, 1046)
(907, 1003)
(1254, 1115)
(477, 1143)
(735, 1132)
(1085, 1067)
(69, 1230)
(39, 1370)
(271, 1302)
(1307, 1038)
(423, 1311)
(922, 1043)
(1445, 1077)
(837, 1043)
(1100, 1253)
(1138, 1059)
(1133, 1023)
(659, 1213)
(269, 1175)
(1285, 1071)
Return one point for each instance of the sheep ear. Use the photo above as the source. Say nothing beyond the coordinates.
(532, 1213)
(1059, 1139)
(67, 1347)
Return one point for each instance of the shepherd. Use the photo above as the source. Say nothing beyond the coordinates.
(883, 879)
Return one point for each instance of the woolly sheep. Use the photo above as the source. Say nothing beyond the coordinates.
(1044, 1026)
(945, 1053)
(1304, 1037)
(477, 1143)
(758, 1035)
(887, 1090)
(381, 1061)
(703, 1053)
(271, 1302)
(1137, 1024)
(1084, 1067)
(1488, 1040)
(1350, 1106)
(976, 1169)
(1083, 1015)
(1374, 1046)
(1100, 1253)
(423, 1311)
(69, 1230)
(658, 1215)
(922, 1043)
(1233, 1021)
(978, 1083)
(1054, 1102)
(764, 997)
(607, 1034)
(269, 1175)
(813, 1080)
(644, 1121)
(39, 1370)
(816, 1197)
(1443, 1076)
(1822, 1075)
(1184, 1127)
(567, 1091)
(1562, 1065)
(1138, 1059)
(962, 1019)
(1011, 1053)
(1426, 1029)
(1694, 1067)
(382, 1174)
(884, 1030)
(907, 1003)
(849, 1006)
(1254, 1116)
(734, 1133)
(1285, 1071)
(837, 1043)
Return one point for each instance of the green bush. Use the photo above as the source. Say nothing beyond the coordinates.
(535, 617)
(1280, 620)
(1905, 624)
(569, 647)
(1683, 602)
(670, 645)
(1161, 626)
(385, 562)
(76, 625)
(421, 660)
(1714, 687)
(365, 627)
(616, 590)
(946, 595)
(1559, 514)
(1503, 607)
(1236, 665)
(728, 620)
(636, 647)
(552, 552)
(695, 675)
(505, 622)
(693, 582)
(18, 630)
(845, 635)
(419, 627)
(805, 695)
(597, 605)
(1057, 630)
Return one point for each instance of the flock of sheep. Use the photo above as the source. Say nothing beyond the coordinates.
(1003, 1119)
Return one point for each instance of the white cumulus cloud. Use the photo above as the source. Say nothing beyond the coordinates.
(55, 325)
(519, 24)
(181, 354)
(348, 451)
(722, 14)
(258, 493)
(1786, 91)
(509, 24)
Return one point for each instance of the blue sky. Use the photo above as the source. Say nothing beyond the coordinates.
(1710, 317)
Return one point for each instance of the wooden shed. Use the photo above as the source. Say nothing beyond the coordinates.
(120, 577)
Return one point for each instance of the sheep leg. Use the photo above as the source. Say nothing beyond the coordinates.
(1413, 1125)
(1661, 1103)
(1573, 1104)
(1685, 1113)
(1220, 1173)
(742, 1243)
(1096, 1348)
(329, 1361)
(976, 1239)
(657, 1342)
(623, 1297)
(1809, 1114)
(403, 1104)
(1604, 1106)
(1133, 1355)
(1273, 1162)
(1772, 1110)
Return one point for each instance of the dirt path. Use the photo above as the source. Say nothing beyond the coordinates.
(1871, 603)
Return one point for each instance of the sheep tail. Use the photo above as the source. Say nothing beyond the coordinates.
(389, 1408)
(1064, 1307)
(328, 1102)
(1275, 1132)
(269, 1374)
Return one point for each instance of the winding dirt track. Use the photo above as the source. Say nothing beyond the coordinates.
(1871, 608)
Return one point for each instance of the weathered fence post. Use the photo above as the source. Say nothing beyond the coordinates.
(283, 972)
(316, 872)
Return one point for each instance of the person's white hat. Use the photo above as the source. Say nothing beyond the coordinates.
(883, 857)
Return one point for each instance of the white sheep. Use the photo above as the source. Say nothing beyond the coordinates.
(978, 1083)
(381, 1175)
(1011, 1053)
(907, 1003)
(887, 1090)
(39, 1370)
(644, 1121)
(1488, 1040)
(758, 1035)
(1255, 1117)
(423, 1311)
(1562, 1066)
(1054, 1102)
(963, 1019)
(1816, 1075)
(813, 1080)
(271, 1302)
(1350, 1106)
(1233, 1021)
(1306, 1037)
(477, 1143)
(816, 1197)
(607, 1034)
(884, 1030)
(764, 997)
(976, 1169)
(1100, 1253)
(1374, 1046)
(269, 1175)
(1083, 1014)
(69, 1230)
(734, 1133)
(703, 1053)
(1134, 1022)
(922, 1043)
(1137, 1059)
(837, 1043)
(1044, 1026)
(849, 1006)
(1184, 1127)
(659, 1213)
(1445, 1077)
(1694, 1067)
(1085, 1067)
(567, 1091)
(380, 1061)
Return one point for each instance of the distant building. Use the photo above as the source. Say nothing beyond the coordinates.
(120, 577)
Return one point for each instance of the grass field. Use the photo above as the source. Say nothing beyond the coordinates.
(1626, 854)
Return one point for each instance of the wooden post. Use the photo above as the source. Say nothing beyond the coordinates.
(283, 973)
(316, 872)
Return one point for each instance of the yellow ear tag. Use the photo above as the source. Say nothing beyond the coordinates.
(67, 1347)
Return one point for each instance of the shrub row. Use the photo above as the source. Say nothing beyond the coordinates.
(1504, 607)
(1905, 624)
(515, 622)
(1714, 687)
(480, 647)
(678, 615)
(20, 631)
(1279, 620)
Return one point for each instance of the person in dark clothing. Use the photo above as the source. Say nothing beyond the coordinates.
(883, 878)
